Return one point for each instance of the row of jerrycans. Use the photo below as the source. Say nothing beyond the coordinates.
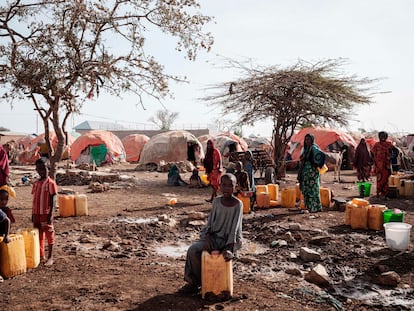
(360, 214)
(20, 254)
(73, 205)
(268, 195)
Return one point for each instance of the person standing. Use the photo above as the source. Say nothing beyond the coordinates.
(308, 176)
(363, 161)
(382, 161)
(4, 167)
(44, 191)
(213, 166)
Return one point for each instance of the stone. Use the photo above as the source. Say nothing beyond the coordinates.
(320, 240)
(293, 271)
(307, 254)
(390, 278)
(318, 275)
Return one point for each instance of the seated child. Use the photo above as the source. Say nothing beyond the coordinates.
(242, 178)
(6, 216)
(222, 234)
(195, 180)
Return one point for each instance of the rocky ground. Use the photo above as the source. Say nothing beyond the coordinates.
(129, 253)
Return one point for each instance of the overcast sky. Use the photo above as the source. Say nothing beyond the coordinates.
(375, 36)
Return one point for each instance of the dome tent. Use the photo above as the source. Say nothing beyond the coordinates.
(171, 146)
(95, 146)
(133, 145)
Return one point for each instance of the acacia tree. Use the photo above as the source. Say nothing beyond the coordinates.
(164, 119)
(303, 94)
(61, 53)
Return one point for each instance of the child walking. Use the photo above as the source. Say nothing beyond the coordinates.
(44, 190)
(222, 234)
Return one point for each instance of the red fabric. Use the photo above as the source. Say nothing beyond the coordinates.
(41, 191)
(4, 166)
(382, 160)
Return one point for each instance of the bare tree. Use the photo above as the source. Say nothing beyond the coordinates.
(301, 95)
(164, 119)
(62, 53)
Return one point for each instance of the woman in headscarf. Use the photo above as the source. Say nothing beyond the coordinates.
(363, 161)
(213, 166)
(382, 161)
(4, 167)
(311, 159)
(248, 165)
(174, 178)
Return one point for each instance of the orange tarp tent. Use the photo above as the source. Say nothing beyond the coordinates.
(133, 145)
(327, 139)
(96, 138)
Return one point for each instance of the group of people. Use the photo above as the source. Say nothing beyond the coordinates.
(44, 192)
(383, 157)
(313, 158)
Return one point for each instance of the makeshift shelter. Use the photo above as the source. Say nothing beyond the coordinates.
(133, 145)
(328, 139)
(171, 146)
(32, 144)
(97, 146)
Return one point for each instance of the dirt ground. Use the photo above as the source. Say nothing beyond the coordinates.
(129, 254)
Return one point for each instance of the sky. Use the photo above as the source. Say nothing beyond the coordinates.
(374, 36)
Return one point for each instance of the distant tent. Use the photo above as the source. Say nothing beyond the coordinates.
(133, 145)
(222, 142)
(329, 140)
(240, 141)
(97, 146)
(31, 145)
(171, 146)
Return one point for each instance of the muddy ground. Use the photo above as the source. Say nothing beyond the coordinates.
(129, 253)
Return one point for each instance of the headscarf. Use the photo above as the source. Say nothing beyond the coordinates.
(362, 154)
(312, 152)
(173, 171)
(382, 135)
(208, 159)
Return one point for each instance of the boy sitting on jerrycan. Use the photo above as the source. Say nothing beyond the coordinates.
(222, 234)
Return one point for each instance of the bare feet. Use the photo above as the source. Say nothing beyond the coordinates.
(49, 262)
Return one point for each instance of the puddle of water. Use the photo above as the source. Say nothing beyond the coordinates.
(373, 295)
(175, 251)
(131, 220)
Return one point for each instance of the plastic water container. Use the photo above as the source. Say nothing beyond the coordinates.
(216, 275)
(12, 256)
(390, 215)
(359, 217)
(288, 197)
(246, 202)
(263, 199)
(364, 189)
(397, 235)
(31, 247)
(375, 218)
(66, 205)
(348, 211)
(409, 188)
(273, 191)
(325, 194)
(81, 205)
(261, 188)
